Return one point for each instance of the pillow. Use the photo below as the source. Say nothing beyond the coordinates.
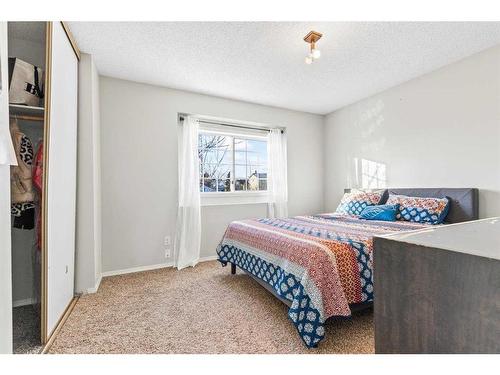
(420, 210)
(384, 212)
(354, 202)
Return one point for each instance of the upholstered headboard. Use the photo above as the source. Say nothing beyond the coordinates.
(464, 204)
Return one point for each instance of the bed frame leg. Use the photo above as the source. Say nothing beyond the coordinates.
(233, 269)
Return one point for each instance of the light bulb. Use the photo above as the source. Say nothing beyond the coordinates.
(316, 53)
(309, 60)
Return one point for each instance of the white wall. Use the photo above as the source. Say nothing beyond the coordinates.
(438, 130)
(5, 244)
(88, 214)
(139, 168)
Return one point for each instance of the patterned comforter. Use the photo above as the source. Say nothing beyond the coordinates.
(321, 263)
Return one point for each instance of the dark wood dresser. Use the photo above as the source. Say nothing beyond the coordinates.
(437, 290)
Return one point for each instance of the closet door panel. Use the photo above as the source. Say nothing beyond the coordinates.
(61, 186)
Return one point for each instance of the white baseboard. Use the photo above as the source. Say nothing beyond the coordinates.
(207, 259)
(24, 302)
(137, 269)
(96, 286)
(149, 268)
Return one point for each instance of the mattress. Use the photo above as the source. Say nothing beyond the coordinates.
(321, 264)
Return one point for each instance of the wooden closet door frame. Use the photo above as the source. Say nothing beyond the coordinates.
(47, 336)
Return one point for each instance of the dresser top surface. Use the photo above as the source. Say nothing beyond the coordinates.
(479, 237)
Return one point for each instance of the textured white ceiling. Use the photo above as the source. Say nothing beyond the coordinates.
(263, 62)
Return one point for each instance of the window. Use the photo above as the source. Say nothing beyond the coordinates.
(232, 163)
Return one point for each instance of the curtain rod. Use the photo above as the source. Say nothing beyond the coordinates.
(181, 117)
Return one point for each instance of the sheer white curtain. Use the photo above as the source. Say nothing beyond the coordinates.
(277, 180)
(187, 238)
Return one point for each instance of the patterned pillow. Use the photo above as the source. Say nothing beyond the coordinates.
(384, 212)
(421, 210)
(353, 203)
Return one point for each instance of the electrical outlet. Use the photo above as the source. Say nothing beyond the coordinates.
(166, 241)
(167, 253)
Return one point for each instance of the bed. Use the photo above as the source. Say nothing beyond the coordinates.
(321, 265)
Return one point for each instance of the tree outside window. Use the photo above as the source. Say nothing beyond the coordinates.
(232, 163)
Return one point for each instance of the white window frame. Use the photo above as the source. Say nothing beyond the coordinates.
(240, 196)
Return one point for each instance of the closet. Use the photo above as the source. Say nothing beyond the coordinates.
(43, 85)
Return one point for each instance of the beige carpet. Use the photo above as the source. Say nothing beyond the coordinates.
(197, 310)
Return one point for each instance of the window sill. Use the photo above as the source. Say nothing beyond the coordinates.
(231, 198)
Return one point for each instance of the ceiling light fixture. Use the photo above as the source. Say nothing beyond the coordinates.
(312, 37)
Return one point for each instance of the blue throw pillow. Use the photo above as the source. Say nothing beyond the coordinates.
(385, 212)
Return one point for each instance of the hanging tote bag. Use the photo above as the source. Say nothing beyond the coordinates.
(25, 83)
